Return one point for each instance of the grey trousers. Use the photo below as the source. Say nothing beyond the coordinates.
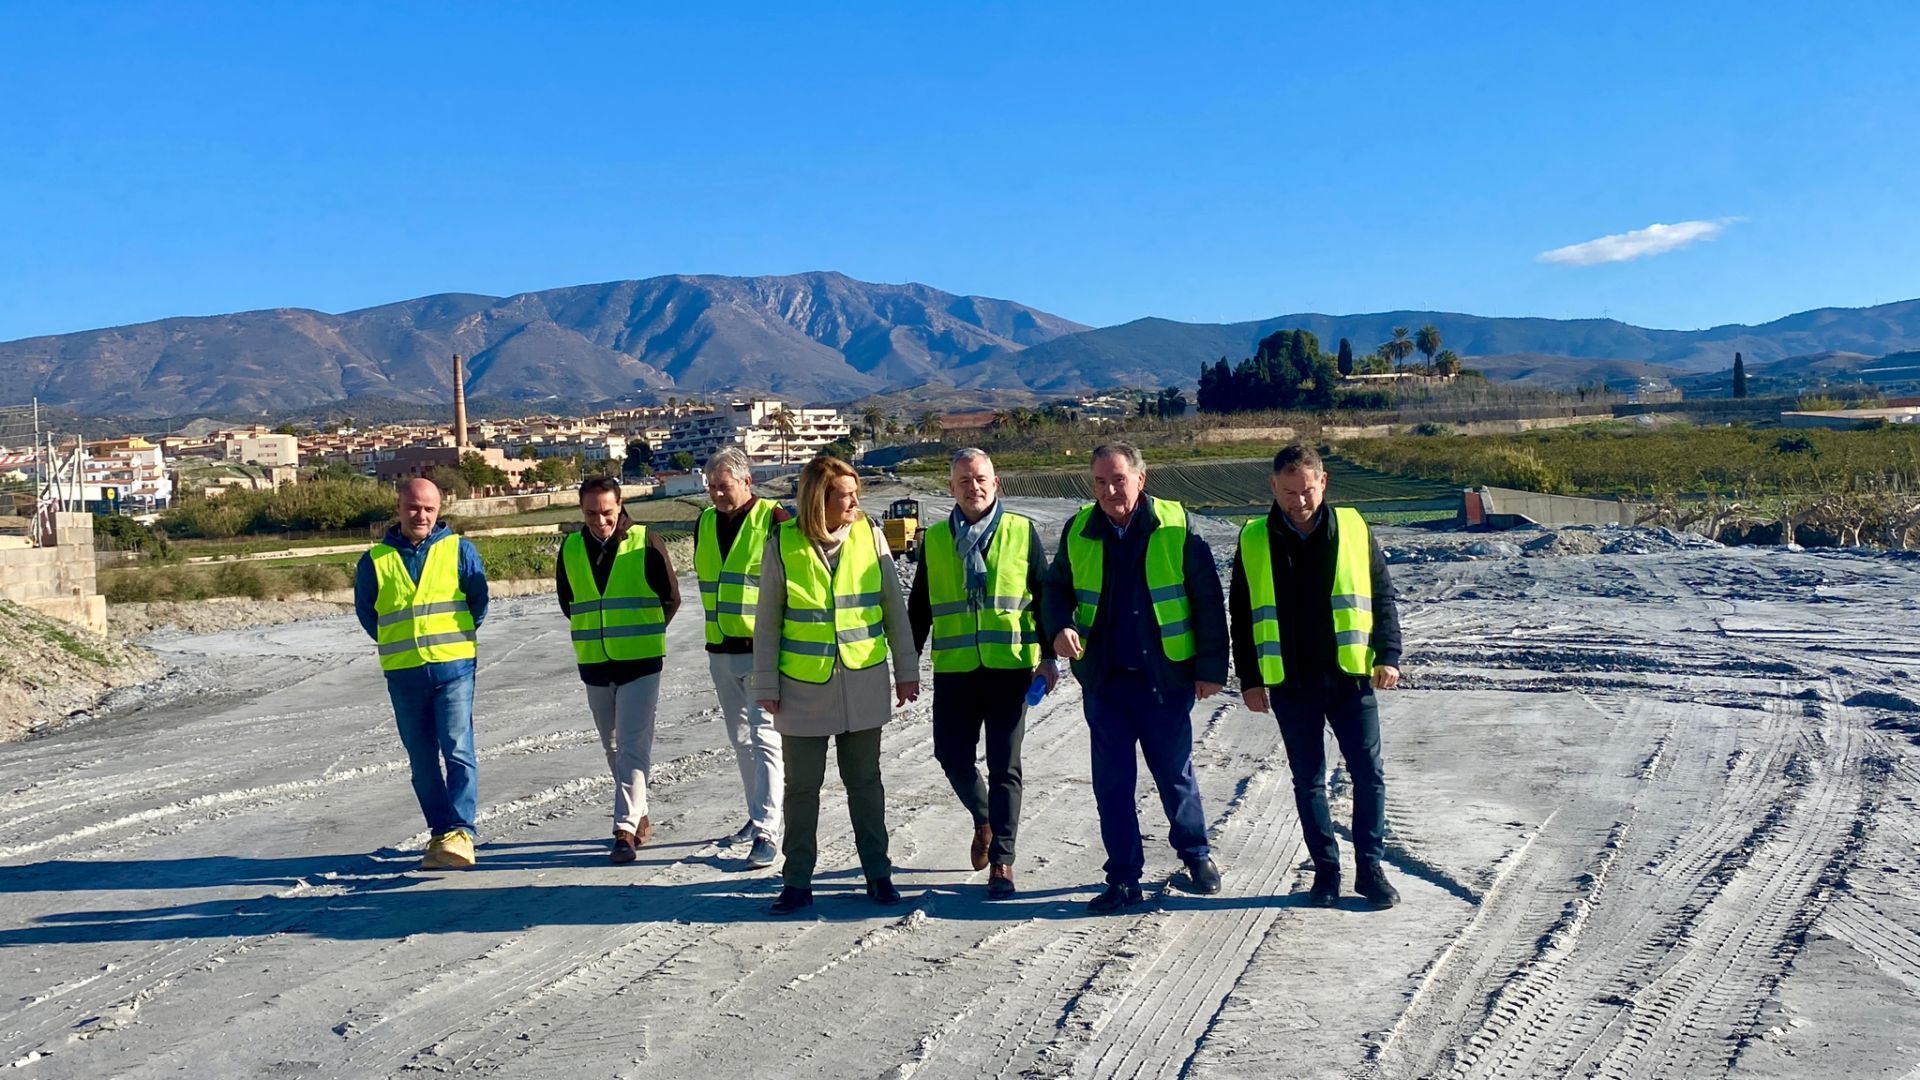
(756, 745)
(624, 715)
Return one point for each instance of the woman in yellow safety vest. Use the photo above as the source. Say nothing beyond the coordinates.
(831, 616)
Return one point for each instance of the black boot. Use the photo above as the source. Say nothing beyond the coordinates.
(1326, 886)
(1203, 876)
(791, 899)
(882, 891)
(1371, 882)
(1115, 898)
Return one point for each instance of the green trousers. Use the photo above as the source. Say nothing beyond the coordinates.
(806, 770)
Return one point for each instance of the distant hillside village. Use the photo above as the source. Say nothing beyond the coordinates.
(146, 474)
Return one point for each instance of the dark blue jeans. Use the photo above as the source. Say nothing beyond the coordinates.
(1346, 704)
(433, 708)
(1125, 712)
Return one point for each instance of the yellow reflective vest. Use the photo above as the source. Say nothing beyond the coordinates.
(1352, 595)
(1166, 575)
(423, 622)
(627, 622)
(1004, 633)
(829, 616)
(730, 587)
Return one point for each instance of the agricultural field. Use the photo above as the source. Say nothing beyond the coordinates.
(1623, 459)
(1220, 485)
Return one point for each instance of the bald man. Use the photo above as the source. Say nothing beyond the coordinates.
(421, 594)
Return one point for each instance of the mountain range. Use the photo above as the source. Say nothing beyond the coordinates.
(818, 336)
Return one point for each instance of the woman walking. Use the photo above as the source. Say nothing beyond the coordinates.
(830, 617)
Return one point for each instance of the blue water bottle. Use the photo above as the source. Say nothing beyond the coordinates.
(1036, 690)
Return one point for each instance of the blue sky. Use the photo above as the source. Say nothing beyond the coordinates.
(1101, 161)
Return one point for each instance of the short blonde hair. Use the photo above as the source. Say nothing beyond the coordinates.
(810, 503)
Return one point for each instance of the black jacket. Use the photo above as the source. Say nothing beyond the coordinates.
(660, 578)
(1124, 633)
(1303, 590)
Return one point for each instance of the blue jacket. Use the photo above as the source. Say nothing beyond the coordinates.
(473, 582)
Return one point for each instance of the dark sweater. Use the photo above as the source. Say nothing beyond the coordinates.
(660, 579)
(1124, 634)
(726, 528)
(1303, 591)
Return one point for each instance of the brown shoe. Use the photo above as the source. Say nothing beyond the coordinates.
(982, 839)
(644, 834)
(622, 848)
(1000, 882)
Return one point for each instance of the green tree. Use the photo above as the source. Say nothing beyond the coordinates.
(1447, 363)
(786, 424)
(1427, 340)
(639, 459)
(1739, 376)
(479, 473)
(451, 481)
(554, 472)
(839, 448)
(929, 427)
(873, 417)
(1400, 347)
(528, 452)
(1346, 357)
(683, 460)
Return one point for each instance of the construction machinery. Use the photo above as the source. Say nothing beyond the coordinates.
(902, 525)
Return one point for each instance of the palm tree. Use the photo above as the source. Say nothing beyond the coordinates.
(929, 426)
(873, 416)
(785, 423)
(1447, 363)
(1401, 346)
(1427, 340)
(1003, 421)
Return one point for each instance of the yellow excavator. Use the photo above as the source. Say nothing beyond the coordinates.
(902, 525)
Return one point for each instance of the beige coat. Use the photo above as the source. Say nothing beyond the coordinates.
(848, 700)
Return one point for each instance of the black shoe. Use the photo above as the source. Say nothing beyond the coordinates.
(1114, 899)
(1326, 886)
(791, 900)
(622, 851)
(882, 891)
(1371, 882)
(1203, 877)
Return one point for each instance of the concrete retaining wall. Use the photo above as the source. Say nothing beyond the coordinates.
(502, 505)
(57, 581)
(1502, 507)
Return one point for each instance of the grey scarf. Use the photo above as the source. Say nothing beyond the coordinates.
(970, 543)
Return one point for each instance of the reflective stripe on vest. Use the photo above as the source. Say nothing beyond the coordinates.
(730, 588)
(829, 616)
(626, 622)
(1003, 634)
(1166, 575)
(424, 622)
(1352, 596)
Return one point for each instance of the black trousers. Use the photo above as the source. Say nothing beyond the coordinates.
(965, 704)
(1305, 708)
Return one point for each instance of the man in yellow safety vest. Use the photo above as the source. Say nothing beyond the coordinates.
(1315, 632)
(1134, 599)
(977, 593)
(617, 589)
(421, 594)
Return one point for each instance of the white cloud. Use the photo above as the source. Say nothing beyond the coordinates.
(1655, 239)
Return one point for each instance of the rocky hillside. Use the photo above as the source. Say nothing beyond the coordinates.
(49, 669)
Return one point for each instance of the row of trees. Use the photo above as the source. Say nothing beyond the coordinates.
(1286, 371)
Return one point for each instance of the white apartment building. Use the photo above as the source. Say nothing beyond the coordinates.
(750, 425)
(266, 449)
(134, 468)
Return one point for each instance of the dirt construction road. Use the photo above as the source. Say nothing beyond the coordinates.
(1652, 815)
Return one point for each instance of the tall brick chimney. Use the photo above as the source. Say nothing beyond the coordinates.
(459, 403)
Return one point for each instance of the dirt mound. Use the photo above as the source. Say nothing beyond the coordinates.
(50, 669)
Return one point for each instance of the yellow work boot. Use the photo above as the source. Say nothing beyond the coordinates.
(435, 848)
(456, 852)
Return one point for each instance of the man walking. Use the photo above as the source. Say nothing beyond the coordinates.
(1134, 599)
(980, 571)
(618, 592)
(728, 546)
(421, 594)
(1315, 632)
